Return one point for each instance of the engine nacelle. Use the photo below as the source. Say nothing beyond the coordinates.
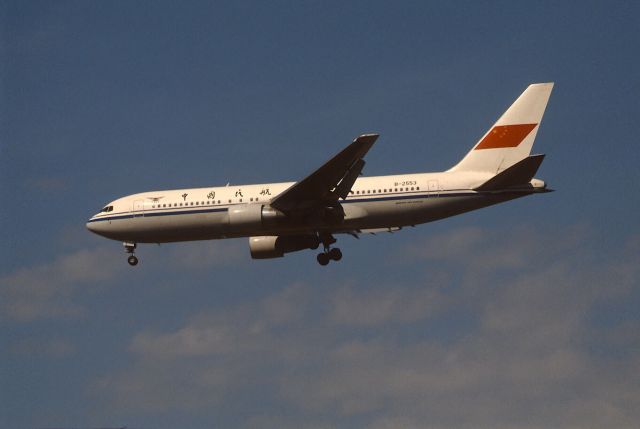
(271, 246)
(253, 216)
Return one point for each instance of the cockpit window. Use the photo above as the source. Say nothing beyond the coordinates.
(107, 209)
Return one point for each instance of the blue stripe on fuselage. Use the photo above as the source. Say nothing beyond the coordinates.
(150, 214)
(351, 199)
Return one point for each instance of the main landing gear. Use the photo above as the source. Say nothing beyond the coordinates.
(130, 249)
(329, 254)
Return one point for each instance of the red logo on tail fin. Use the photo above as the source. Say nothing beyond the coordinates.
(502, 136)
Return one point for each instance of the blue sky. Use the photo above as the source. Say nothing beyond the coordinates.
(520, 315)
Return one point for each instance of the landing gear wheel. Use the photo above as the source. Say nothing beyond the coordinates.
(323, 259)
(335, 254)
(129, 248)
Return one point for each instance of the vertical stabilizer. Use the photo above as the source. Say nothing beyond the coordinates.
(511, 138)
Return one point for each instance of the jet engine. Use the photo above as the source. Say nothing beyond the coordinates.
(271, 246)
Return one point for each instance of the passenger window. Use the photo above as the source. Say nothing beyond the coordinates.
(417, 188)
(412, 188)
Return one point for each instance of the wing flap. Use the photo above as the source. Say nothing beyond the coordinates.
(345, 185)
(375, 231)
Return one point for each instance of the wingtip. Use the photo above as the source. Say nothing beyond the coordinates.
(549, 84)
(367, 138)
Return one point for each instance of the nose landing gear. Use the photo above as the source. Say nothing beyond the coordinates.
(329, 254)
(130, 249)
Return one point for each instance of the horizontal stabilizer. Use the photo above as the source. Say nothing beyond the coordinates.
(518, 174)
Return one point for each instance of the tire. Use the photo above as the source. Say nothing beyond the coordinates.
(323, 259)
(335, 254)
(132, 260)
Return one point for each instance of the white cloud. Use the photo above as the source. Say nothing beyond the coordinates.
(47, 290)
(50, 290)
(373, 353)
(202, 255)
(473, 248)
(382, 305)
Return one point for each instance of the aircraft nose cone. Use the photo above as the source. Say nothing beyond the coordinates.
(94, 226)
(100, 227)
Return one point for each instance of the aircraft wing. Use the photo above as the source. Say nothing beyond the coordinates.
(328, 183)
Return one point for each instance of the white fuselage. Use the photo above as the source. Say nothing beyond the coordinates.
(373, 202)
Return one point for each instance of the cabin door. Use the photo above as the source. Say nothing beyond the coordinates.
(433, 188)
(138, 208)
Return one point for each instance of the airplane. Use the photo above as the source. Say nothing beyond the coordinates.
(280, 218)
